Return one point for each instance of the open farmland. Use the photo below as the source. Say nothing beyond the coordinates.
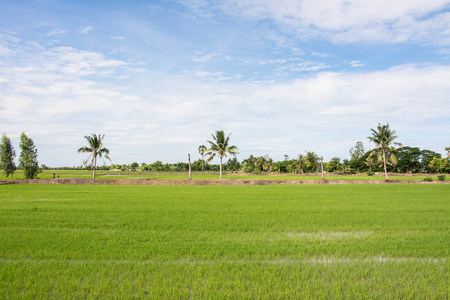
(347, 241)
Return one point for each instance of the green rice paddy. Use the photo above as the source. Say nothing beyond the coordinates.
(215, 242)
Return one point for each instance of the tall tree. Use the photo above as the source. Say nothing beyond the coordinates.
(448, 151)
(357, 151)
(312, 161)
(408, 159)
(301, 159)
(384, 139)
(220, 146)
(7, 155)
(202, 149)
(28, 157)
(370, 163)
(96, 149)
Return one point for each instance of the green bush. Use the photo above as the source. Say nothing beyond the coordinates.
(441, 177)
(428, 178)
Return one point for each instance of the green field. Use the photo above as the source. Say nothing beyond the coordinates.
(267, 242)
(208, 176)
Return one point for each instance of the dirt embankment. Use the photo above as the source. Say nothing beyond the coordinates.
(203, 182)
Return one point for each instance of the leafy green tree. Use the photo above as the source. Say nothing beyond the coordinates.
(220, 146)
(248, 164)
(268, 164)
(134, 166)
(440, 165)
(7, 155)
(448, 151)
(233, 164)
(312, 161)
(246, 167)
(357, 151)
(203, 150)
(426, 156)
(96, 149)
(408, 159)
(334, 164)
(384, 139)
(28, 157)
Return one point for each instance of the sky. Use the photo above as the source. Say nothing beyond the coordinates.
(157, 78)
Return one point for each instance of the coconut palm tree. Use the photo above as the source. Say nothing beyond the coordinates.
(384, 138)
(220, 147)
(370, 163)
(301, 159)
(203, 151)
(96, 149)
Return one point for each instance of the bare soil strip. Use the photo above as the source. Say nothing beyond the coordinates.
(204, 182)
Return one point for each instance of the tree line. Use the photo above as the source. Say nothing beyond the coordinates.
(27, 160)
(387, 156)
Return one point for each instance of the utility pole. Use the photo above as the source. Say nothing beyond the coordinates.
(321, 163)
(190, 172)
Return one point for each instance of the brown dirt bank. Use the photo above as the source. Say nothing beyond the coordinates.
(203, 182)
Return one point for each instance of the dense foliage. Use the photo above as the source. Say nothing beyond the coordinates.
(7, 155)
(28, 157)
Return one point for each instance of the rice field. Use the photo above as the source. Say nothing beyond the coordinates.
(242, 242)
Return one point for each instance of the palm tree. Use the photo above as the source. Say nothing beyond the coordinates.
(219, 146)
(384, 138)
(202, 150)
(312, 161)
(370, 163)
(301, 159)
(95, 148)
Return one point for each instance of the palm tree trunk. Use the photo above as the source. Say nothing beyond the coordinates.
(95, 166)
(384, 160)
(203, 161)
(221, 168)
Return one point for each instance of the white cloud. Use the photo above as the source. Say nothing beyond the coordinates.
(56, 32)
(85, 30)
(114, 37)
(201, 57)
(48, 94)
(74, 61)
(356, 63)
(349, 21)
(7, 45)
(310, 66)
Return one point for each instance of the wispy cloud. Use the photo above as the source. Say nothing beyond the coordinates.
(301, 114)
(356, 63)
(85, 30)
(74, 61)
(114, 37)
(202, 57)
(349, 21)
(56, 32)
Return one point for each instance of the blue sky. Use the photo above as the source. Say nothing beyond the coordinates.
(284, 77)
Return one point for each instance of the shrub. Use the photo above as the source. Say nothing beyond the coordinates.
(370, 173)
(428, 178)
(441, 177)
